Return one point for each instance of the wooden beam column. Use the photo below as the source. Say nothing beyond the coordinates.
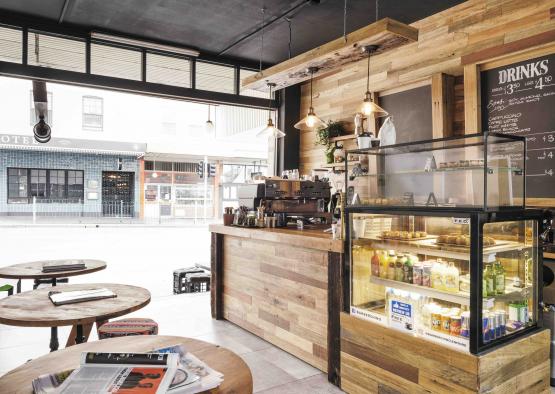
(443, 103)
(472, 104)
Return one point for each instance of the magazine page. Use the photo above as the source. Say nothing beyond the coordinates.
(93, 379)
(122, 373)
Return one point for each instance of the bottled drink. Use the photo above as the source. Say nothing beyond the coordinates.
(490, 280)
(437, 274)
(384, 264)
(391, 268)
(375, 264)
(499, 278)
(408, 269)
(452, 278)
(399, 265)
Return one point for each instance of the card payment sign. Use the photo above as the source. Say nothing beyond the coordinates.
(401, 315)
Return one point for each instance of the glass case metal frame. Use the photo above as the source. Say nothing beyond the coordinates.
(478, 219)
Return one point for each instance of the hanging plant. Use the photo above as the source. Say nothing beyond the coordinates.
(332, 129)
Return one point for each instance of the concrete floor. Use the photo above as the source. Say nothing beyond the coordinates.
(147, 256)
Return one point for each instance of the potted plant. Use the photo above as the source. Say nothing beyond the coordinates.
(324, 134)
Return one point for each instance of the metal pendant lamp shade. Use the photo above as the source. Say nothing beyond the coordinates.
(310, 121)
(209, 125)
(369, 107)
(270, 129)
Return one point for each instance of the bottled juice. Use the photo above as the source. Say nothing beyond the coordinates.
(408, 269)
(437, 273)
(375, 264)
(384, 264)
(451, 275)
(399, 265)
(391, 266)
(489, 278)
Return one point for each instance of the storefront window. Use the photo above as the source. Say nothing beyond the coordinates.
(151, 192)
(60, 186)
(57, 184)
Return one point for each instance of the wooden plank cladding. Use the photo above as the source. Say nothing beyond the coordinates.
(278, 292)
(475, 26)
(386, 33)
(376, 359)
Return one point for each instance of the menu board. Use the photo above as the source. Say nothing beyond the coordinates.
(519, 99)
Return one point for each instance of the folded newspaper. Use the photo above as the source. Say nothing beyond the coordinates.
(168, 370)
(71, 297)
(66, 265)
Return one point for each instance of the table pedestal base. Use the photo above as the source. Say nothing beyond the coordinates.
(54, 344)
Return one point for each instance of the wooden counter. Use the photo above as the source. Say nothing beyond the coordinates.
(378, 359)
(283, 285)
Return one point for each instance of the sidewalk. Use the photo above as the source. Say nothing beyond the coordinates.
(49, 221)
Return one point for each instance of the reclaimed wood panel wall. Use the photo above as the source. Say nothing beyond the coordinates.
(375, 359)
(280, 293)
(443, 39)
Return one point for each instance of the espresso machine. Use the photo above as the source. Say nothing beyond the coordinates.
(300, 199)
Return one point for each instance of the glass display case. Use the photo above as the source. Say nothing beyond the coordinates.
(464, 271)
(480, 170)
(468, 280)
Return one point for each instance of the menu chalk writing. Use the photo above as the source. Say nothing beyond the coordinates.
(519, 99)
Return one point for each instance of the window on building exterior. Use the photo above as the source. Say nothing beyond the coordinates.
(33, 118)
(93, 113)
(17, 185)
(58, 186)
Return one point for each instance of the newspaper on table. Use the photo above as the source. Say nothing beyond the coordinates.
(190, 376)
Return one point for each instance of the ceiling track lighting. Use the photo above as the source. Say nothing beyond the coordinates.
(271, 129)
(310, 120)
(369, 107)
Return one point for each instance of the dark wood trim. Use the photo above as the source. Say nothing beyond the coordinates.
(335, 303)
(508, 49)
(216, 269)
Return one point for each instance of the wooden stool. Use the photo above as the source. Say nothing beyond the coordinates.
(128, 327)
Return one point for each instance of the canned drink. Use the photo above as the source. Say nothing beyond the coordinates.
(417, 271)
(436, 321)
(494, 327)
(486, 324)
(445, 322)
(465, 324)
(455, 325)
(427, 275)
(502, 316)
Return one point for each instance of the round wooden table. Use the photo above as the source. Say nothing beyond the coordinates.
(237, 376)
(33, 270)
(34, 308)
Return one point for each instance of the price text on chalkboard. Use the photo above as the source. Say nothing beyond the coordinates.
(519, 99)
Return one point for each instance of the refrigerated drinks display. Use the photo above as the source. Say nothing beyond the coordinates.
(467, 277)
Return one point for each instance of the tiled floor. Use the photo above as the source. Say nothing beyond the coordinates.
(273, 370)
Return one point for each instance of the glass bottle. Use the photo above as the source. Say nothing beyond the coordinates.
(399, 264)
(375, 263)
(452, 278)
(490, 280)
(391, 267)
(384, 263)
(499, 273)
(408, 269)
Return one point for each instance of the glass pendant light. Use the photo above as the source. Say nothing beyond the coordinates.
(270, 129)
(209, 126)
(311, 120)
(369, 107)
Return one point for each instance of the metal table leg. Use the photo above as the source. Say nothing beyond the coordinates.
(79, 337)
(54, 344)
(18, 286)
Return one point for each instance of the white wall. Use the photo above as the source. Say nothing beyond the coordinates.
(137, 118)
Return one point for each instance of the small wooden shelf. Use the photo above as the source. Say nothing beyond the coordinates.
(339, 165)
(343, 138)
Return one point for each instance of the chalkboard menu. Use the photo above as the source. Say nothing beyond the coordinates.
(519, 99)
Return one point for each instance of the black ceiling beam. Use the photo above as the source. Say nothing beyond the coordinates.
(65, 29)
(126, 85)
(267, 24)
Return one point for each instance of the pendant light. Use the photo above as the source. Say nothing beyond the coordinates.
(369, 107)
(209, 126)
(311, 120)
(270, 129)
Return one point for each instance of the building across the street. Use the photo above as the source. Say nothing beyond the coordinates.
(71, 177)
